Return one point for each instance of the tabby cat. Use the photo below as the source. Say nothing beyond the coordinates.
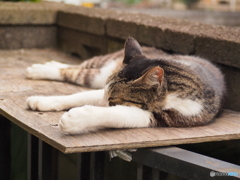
(142, 87)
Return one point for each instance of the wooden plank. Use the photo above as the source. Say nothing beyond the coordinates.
(15, 89)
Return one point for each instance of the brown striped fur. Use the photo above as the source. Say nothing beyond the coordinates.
(84, 73)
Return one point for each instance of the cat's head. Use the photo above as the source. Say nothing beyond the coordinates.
(138, 82)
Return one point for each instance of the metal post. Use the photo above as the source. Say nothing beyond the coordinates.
(40, 159)
(46, 163)
(29, 156)
(5, 148)
(155, 174)
(92, 166)
(97, 165)
(32, 157)
(79, 166)
(139, 172)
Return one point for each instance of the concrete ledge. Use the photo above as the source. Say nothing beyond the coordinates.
(84, 44)
(90, 20)
(18, 37)
(21, 13)
(179, 36)
(28, 25)
(209, 17)
(219, 51)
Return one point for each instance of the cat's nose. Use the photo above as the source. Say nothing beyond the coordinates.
(114, 101)
(112, 104)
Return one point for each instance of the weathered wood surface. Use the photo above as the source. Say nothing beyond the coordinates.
(15, 88)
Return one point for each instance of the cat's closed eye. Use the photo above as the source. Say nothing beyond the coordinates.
(121, 101)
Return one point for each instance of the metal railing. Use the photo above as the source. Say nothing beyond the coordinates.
(152, 163)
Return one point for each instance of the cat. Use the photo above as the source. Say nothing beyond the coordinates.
(137, 87)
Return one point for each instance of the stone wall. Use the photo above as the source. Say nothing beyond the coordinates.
(108, 28)
(28, 25)
(204, 16)
(87, 32)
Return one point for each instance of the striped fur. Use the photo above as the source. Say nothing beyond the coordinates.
(85, 73)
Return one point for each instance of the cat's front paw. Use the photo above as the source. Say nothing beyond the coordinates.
(41, 103)
(78, 120)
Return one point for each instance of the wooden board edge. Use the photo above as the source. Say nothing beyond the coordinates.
(33, 132)
(109, 147)
(150, 144)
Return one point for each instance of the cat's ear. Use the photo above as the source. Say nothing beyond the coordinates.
(131, 49)
(153, 76)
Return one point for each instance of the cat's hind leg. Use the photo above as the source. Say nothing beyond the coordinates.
(93, 77)
(49, 71)
(90, 77)
(42, 71)
(57, 64)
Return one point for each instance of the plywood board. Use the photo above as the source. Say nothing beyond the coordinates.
(15, 89)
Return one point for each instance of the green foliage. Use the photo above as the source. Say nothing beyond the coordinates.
(189, 2)
(130, 1)
(22, 0)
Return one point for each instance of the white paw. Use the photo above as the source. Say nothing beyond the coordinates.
(78, 120)
(40, 71)
(41, 103)
(56, 64)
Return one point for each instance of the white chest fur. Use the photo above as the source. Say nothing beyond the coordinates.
(186, 107)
